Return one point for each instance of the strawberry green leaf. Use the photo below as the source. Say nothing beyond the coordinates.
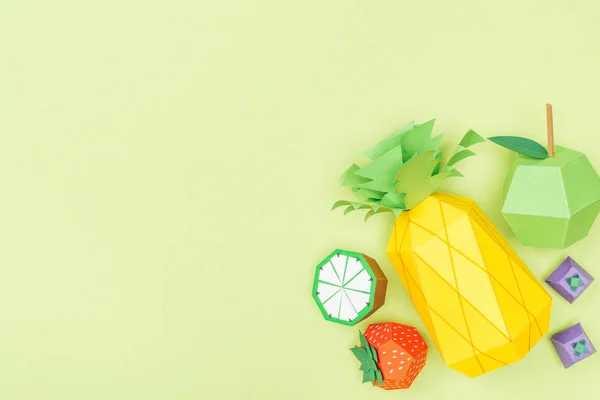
(368, 358)
(360, 353)
(374, 354)
(379, 377)
(370, 376)
(363, 340)
(521, 145)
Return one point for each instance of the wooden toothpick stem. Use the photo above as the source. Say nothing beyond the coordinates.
(550, 128)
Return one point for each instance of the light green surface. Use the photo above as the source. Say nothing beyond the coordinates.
(167, 170)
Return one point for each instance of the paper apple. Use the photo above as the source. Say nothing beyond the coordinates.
(551, 198)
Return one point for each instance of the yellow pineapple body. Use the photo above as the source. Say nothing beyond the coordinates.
(480, 303)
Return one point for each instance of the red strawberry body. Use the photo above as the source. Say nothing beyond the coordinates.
(401, 351)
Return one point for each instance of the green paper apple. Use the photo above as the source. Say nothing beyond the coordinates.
(550, 201)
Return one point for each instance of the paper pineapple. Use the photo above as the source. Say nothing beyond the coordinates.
(348, 287)
(391, 355)
(481, 305)
(551, 197)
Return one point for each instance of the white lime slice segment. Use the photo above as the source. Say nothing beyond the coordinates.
(332, 306)
(339, 265)
(361, 282)
(325, 291)
(328, 275)
(359, 300)
(347, 311)
(352, 269)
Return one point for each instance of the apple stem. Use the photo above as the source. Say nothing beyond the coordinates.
(550, 128)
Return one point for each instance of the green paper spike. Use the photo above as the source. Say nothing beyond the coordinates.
(363, 341)
(389, 143)
(404, 170)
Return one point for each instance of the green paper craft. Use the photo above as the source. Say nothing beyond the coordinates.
(367, 356)
(348, 287)
(552, 203)
(406, 168)
(524, 146)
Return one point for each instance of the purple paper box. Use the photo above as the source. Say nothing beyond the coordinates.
(572, 345)
(570, 280)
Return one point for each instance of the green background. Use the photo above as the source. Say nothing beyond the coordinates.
(167, 170)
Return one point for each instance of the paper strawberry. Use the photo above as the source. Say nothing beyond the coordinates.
(392, 355)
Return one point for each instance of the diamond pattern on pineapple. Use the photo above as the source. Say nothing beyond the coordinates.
(482, 306)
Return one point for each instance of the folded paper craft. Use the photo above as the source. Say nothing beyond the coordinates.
(391, 354)
(348, 287)
(552, 203)
(570, 280)
(572, 345)
(551, 198)
(481, 305)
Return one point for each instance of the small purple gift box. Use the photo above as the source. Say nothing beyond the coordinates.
(570, 280)
(572, 345)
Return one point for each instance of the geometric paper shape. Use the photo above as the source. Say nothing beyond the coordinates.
(572, 345)
(480, 303)
(401, 353)
(552, 203)
(569, 280)
(348, 287)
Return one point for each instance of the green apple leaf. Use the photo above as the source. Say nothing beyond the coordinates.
(524, 146)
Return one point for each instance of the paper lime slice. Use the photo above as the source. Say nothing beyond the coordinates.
(348, 287)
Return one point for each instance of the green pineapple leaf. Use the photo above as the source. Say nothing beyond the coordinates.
(418, 169)
(356, 205)
(419, 140)
(349, 177)
(381, 172)
(471, 138)
(394, 200)
(404, 170)
(462, 152)
(392, 141)
(373, 212)
(521, 145)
